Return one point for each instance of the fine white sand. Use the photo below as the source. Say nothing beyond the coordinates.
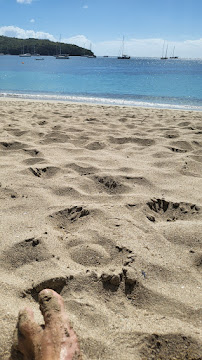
(104, 205)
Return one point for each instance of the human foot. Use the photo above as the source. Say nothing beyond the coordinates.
(57, 341)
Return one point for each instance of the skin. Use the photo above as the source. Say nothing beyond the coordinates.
(56, 341)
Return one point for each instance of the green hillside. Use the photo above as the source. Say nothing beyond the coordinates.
(13, 46)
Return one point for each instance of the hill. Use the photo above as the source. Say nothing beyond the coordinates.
(14, 46)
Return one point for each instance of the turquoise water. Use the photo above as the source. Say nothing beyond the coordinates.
(135, 82)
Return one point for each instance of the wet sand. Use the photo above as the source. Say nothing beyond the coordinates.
(104, 205)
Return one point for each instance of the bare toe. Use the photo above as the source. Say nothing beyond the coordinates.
(51, 305)
(26, 324)
(57, 326)
(26, 333)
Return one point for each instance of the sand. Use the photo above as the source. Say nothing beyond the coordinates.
(104, 205)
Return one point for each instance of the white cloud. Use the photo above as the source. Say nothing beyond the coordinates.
(79, 40)
(32, 21)
(85, 7)
(24, 1)
(17, 32)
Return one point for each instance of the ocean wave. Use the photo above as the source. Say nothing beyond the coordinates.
(102, 100)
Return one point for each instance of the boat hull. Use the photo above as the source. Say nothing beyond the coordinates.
(62, 57)
(25, 55)
(124, 57)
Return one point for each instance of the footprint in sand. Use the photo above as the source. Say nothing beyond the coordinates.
(169, 346)
(66, 191)
(184, 124)
(142, 297)
(56, 283)
(56, 137)
(64, 218)
(96, 145)
(42, 122)
(6, 193)
(197, 260)
(47, 172)
(111, 185)
(90, 255)
(135, 140)
(71, 218)
(32, 152)
(33, 161)
(169, 211)
(183, 145)
(99, 252)
(25, 252)
(93, 250)
(177, 150)
(17, 132)
(82, 170)
(15, 145)
(171, 135)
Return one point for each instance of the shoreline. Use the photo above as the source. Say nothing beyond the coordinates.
(154, 106)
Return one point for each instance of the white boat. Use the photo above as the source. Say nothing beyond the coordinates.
(35, 53)
(123, 56)
(62, 56)
(25, 55)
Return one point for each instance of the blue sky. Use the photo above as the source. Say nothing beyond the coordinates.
(145, 24)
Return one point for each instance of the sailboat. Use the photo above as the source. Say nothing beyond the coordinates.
(173, 56)
(60, 55)
(35, 54)
(164, 57)
(24, 54)
(123, 56)
(91, 56)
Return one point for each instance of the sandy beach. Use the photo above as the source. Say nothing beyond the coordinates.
(104, 205)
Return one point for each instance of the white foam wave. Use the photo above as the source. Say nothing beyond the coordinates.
(100, 100)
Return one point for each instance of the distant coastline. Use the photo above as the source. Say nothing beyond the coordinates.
(14, 46)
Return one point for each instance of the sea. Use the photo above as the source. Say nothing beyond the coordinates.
(145, 82)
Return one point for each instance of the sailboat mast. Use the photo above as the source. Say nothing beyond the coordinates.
(60, 45)
(122, 55)
(123, 46)
(163, 49)
(166, 52)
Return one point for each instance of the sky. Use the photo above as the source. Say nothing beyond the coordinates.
(101, 24)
